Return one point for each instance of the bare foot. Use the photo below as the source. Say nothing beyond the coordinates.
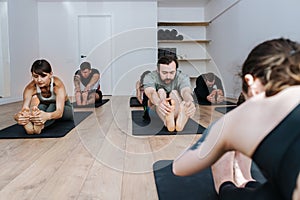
(222, 170)
(170, 121)
(38, 128)
(238, 175)
(29, 128)
(242, 169)
(182, 117)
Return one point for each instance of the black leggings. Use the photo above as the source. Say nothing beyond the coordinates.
(252, 191)
(67, 114)
(100, 95)
(145, 100)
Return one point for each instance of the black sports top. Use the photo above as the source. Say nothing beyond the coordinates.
(278, 155)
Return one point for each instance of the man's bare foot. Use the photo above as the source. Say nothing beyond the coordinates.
(222, 170)
(182, 117)
(29, 128)
(170, 121)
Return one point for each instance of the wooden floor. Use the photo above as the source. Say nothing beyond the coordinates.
(99, 159)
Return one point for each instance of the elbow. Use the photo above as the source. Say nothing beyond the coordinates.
(176, 170)
(58, 115)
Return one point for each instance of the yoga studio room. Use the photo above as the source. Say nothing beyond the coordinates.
(149, 99)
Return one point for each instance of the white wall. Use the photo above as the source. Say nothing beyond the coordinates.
(4, 51)
(38, 30)
(214, 8)
(23, 45)
(184, 14)
(134, 39)
(245, 25)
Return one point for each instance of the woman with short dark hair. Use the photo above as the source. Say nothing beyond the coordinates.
(44, 100)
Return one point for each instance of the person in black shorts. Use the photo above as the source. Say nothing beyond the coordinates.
(209, 89)
(264, 128)
(87, 85)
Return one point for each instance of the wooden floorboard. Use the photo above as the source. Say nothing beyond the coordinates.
(98, 159)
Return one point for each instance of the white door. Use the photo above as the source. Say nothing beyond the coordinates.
(95, 46)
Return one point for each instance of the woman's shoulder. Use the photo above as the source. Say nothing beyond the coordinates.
(291, 90)
(262, 107)
(30, 86)
(57, 81)
(289, 95)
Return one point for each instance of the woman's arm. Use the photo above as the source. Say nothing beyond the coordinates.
(204, 153)
(28, 93)
(22, 117)
(61, 96)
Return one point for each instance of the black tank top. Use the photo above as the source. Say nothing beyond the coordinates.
(278, 155)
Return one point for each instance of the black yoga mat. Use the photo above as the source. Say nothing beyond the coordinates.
(155, 126)
(96, 105)
(225, 109)
(57, 129)
(199, 186)
(133, 102)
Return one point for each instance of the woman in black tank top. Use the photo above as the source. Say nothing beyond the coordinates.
(264, 128)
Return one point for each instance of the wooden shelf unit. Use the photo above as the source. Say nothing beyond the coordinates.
(194, 59)
(190, 60)
(184, 41)
(183, 23)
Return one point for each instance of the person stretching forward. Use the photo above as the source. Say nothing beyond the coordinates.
(170, 94)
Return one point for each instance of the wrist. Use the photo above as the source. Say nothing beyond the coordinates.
(49, 117)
